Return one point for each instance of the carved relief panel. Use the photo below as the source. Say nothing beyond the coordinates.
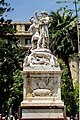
(41, 85)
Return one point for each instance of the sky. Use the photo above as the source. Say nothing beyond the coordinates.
(24, 9)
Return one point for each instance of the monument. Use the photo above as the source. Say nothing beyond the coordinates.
(42, 74)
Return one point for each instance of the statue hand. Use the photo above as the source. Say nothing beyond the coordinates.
(35, 12)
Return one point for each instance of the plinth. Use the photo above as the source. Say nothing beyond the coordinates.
(42, 112)
(41, 88)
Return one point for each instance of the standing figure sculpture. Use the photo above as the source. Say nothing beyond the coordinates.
(35, 34)
(43, 21)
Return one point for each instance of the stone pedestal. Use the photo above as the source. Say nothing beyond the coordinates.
(37, 112)
(41, 88)
(41, 85)
(42, 94)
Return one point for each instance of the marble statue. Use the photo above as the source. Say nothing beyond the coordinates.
(39, 58)
(35, 33)
(43, 28)
(40, 53)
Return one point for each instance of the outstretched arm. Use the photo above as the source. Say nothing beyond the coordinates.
(36, 15)
(30, 28)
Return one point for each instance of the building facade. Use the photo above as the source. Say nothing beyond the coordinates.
(22, 34)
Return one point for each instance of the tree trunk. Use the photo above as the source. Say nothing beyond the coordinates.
(67, 63)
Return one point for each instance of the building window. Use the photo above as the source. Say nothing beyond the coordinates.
(27, 42)
(26, 27)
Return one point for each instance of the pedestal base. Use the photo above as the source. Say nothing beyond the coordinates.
(42, 111)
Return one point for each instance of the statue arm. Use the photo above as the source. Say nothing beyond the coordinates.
(30, 29)
(36, 16)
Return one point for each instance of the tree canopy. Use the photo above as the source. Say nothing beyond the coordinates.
(63, 44)
(63, 34)
(11, 56)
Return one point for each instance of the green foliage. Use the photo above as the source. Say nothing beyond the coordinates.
(11, 59)
(63, 33)
(5, 24)
(69, 3)
(16, 91)
(63, 43)
(5, 7)
(68, 92)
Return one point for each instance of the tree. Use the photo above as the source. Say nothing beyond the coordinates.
(63, 43)
(63, 34)
(75, 9)
(10, 55)
(16, 94)
(67, 93)
(4, 24)
(68, 2)
(10, 60)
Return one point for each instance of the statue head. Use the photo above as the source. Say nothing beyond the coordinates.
(44, 13)
(32, 20)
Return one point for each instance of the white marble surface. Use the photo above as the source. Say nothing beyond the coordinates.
(42, 113)
(43, 102)
(41, 82)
